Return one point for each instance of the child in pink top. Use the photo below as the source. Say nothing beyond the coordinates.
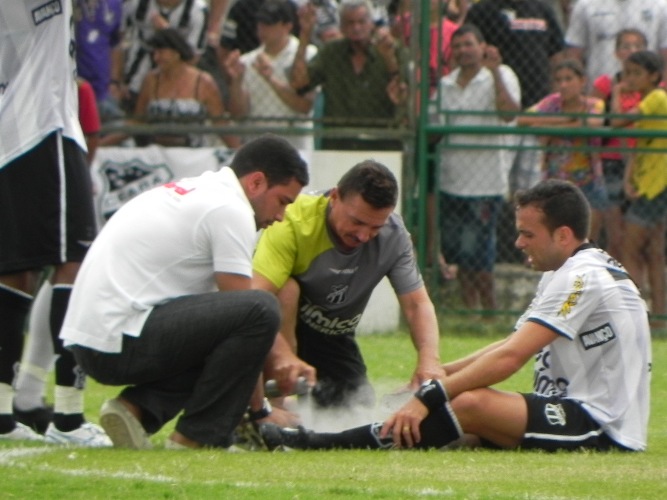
(562, 160)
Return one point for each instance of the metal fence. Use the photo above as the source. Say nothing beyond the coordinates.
(444, 147)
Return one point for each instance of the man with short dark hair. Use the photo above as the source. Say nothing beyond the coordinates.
(324, 260)
(587, 329)
(163, 300)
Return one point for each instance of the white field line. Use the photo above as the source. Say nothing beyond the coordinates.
(11, 458)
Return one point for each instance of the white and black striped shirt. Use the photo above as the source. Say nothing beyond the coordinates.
(189, 17)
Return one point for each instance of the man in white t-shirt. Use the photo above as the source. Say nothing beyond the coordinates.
(594, 24)
(259, 80)
(587, 329)
(163, 300)
(475, 181)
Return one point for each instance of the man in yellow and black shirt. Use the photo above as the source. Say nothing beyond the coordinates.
(336, 247)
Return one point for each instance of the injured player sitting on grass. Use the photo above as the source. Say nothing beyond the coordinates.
(587, 330)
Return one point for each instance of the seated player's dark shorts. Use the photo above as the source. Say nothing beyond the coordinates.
(46, 207)
(556, 423)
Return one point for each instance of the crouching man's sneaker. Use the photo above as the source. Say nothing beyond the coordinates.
(88, 435)
(123, 428)
(21, 433)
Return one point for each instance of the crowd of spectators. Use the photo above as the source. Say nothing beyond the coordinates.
(497, 63)
(305, 64)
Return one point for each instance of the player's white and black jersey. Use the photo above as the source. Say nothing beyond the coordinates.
(602, 358)
(189, 18)
(36, 46)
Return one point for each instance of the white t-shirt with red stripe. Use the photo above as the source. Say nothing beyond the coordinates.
(165, 243)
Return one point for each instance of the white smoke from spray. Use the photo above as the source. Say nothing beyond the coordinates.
(353, 415)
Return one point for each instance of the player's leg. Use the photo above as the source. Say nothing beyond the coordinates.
(15, 300)
(28, 243)
(75, 228)
(69, 378)
(495, 416)
(37, 361)
(438, 429)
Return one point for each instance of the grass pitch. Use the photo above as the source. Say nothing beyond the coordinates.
(33, 471)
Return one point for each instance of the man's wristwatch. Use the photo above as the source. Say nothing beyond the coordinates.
(263, 412)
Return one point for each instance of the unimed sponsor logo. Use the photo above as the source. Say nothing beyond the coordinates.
(46, 11)
(597, 337)
(315, 318)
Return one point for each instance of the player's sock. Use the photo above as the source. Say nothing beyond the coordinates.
(438, 429)
(14, 308)
(365, 437)
(68, 408)
(38, 353)
(70, 379)
(7, 422)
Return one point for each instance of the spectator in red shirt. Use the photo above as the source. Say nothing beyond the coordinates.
(89, 117)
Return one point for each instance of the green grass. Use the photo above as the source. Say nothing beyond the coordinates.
(31, 471)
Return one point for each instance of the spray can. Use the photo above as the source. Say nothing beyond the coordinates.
(271, 389)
